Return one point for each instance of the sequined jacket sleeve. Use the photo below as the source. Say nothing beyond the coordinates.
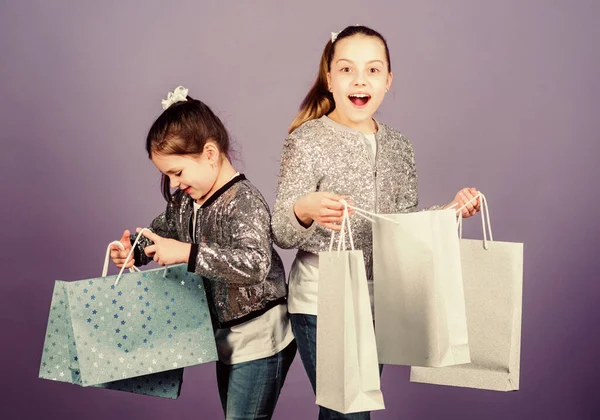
(297, 177)
(243, 256)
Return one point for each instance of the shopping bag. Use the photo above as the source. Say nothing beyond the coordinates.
(420, 316)
(493, 280)
(60, 361)
(347, 365)
(132, 325)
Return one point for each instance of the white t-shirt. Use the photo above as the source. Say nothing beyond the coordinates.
(263, 336)
(260, 337)
(372, 143)
(304, 288)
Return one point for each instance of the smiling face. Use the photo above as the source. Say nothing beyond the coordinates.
(194, 174)
(358, 78)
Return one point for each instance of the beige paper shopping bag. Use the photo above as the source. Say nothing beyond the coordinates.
(493, 280)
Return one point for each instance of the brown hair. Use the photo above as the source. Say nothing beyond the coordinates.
(183, 129)
(319, 101)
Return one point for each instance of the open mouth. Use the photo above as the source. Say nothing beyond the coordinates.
(359, 99)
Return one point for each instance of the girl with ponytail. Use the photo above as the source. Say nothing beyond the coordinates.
(336, 150)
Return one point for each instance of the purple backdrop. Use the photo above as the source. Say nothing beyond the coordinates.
(503, 96)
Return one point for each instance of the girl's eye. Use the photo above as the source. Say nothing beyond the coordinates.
(345, 69)
(374, 70)
(178, 173)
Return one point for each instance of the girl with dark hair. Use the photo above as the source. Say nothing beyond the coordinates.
(219, 224)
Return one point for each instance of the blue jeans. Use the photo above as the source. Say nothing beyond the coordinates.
(305, 330)
(250, 390)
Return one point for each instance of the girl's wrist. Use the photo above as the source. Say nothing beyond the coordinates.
(187, 249)
(301, 216)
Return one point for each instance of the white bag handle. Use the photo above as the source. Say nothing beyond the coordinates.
(346, 219)
(131, 253)
(120, 245)
(345, 222)
(106, 259)
(363, 213)
(485, 216)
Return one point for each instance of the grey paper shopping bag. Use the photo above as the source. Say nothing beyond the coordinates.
(493, 279)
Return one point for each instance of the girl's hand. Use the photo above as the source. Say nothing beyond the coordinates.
(462, 198)
(322, 207)
(119, 256)
(166, 251)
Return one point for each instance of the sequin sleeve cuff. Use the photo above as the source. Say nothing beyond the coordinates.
(436, 207)
(193, 257)
(137, 253)
(296, 223)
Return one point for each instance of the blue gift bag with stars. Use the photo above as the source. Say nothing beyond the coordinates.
(133, 336)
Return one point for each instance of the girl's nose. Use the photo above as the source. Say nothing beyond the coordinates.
(359, 79)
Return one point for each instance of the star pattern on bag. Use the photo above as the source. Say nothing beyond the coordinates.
(110, 352)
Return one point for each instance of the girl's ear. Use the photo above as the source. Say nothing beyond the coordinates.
(211, 151)
(389, 81)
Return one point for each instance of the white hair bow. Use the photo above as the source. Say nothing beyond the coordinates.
(178, 95)
(334, 36)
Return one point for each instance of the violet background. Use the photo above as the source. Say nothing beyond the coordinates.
(503, 96)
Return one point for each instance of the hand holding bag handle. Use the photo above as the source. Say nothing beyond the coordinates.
(128, 256)
(485, 216)
(107, 258)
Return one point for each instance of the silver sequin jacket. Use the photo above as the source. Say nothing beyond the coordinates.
(243, 274)
(322, 155)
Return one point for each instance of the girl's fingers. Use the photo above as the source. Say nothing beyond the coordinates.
(334, 197)
(129, 264)
(466, 193)
(332, 204)
(326, 212)
(472, 194)
(332, 226)
(465, 199)
(330, 221)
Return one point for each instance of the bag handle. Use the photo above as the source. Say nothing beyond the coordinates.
(364, 214)
(485, 216)
(345, 223)
(106, 259)
(137, 239)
